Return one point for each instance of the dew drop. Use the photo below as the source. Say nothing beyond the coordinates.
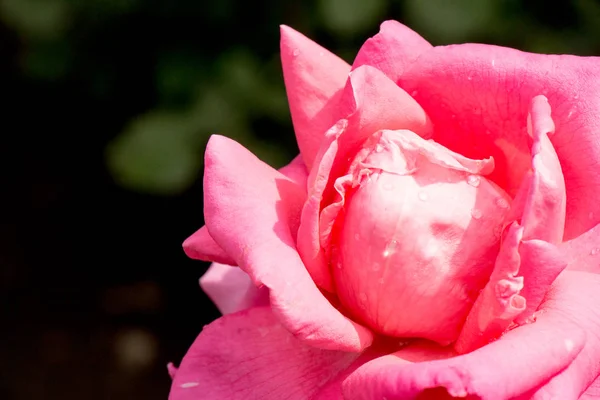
(470, 78)
(473, 180)
(595, 251)
(414, 93)
(295, 53)
(501, 202)
(476, 213)
(189, 385)
(389, 249)
(423, 196)
(378, 148)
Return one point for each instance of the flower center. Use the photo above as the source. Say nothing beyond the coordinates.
(417, 238)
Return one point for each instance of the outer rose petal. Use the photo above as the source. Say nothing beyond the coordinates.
(576, 295)
(479, 94)
(553, 348)
(314, 79)
(249, 355)
(231, 289)
(583, 252)
(201, 246)
(252, 211)
(392, 50)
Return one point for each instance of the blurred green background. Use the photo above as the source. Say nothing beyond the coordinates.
(108, 105)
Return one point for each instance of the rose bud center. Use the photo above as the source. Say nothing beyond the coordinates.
(417, 237)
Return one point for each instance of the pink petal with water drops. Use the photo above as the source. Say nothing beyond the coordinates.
(416, 231)
(478, 97)
(521, 361)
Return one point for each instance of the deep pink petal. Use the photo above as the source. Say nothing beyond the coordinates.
(478, 97)
(522, 360)
(583, 252)
(392, 50)
(314, 79)
(231, 289)
(251, 356)
(201, 246)
(252, 211)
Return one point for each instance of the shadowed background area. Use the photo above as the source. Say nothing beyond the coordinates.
(108, 105)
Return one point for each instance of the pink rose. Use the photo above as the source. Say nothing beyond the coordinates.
(437, 236)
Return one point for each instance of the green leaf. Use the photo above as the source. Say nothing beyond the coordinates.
(154, 154)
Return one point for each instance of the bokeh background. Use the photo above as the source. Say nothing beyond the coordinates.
(108, 105)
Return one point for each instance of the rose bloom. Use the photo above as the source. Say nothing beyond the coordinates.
(436, 237)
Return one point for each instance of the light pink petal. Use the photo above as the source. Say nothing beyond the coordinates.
(309, 245)
(296, 171)
(499, 302)
(593, 392)
(251, 211)
(478, 97)
(231, 289)
(314, 79)
(583, 252)
(251, 356)
(201, 246)
(544, 214)
(576, 295)
(392, 50)
(541, 263)
(557, 347)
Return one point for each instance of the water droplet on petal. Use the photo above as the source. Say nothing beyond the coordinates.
(423, 196)
(595, 251)
(476, 213)
(188, 385)
(295, 53)
(414, 93)
(473, 180)
(501, 202)
(470, 78)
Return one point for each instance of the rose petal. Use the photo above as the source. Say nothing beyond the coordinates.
(392, 50)
(522, 360)
(251, 211)
(576, 295)
(201, 246)
(479, 94)
(544, 214)
(592, 392)
(499, 302)
(231, 289)
(249, 355)
(309, 246)
(314, 79)
(583, 252)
